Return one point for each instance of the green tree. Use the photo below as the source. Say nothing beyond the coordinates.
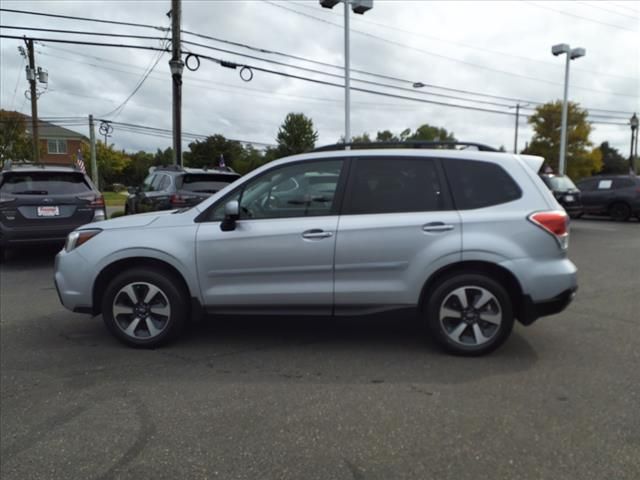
(138, 168)
(364, 138)
(613, 162)
(430, 133)
(206, 153)
(15, 143)
(581, 161)
(386, 136)
(112, 163)
(296, 135)
(163, 157)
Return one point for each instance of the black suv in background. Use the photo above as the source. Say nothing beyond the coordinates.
(566, 193)
(167, 188)
(43, 203)
(615, 195)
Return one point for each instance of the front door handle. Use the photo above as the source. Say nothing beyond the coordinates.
(437, 227)
(316, 233)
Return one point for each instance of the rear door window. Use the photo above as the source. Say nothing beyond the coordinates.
(477, 184)
(623, 183)
(205, 182)
(44, 183)
(394, 185)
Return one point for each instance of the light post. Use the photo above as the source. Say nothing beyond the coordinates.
(358, 6)
(634, 143)
(571, 55)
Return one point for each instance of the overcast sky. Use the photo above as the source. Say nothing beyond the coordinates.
(496, 48)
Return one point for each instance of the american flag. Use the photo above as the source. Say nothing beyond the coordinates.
(80, 162)
(221, 163)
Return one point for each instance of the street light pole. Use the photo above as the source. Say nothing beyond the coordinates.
(571, 54)
(347, 76)
(563, 128)
(634, 143)
(358, 6)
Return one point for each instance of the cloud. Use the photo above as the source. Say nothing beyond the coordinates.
(462, 45)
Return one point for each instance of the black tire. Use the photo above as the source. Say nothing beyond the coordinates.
(473, 285)
(167, 327)
(126, 209)
(620, 212)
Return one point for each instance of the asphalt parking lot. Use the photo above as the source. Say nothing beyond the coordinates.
(314, 399)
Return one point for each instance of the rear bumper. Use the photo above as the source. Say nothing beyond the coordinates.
(34, 235)
(530, 311)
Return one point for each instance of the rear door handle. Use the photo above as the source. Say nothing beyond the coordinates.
(437, 227)
(316, 233)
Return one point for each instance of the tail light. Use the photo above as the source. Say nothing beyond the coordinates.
(98, 202)
(555, 223)
(180, 200)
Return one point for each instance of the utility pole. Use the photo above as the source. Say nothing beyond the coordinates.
(176, 65)
(94, 163)
(31, 76)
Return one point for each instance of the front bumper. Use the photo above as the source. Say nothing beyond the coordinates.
(73, 280)
(530, 311)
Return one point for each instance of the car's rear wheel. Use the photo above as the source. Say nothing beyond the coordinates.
(620, 212)
(145, 307)
(470, 314)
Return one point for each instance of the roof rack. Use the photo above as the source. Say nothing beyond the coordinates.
(10, 164)
(406, 144)
(173, 168)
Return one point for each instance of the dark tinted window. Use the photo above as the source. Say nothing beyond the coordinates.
(44, 183)
(388, 185)
(156, 182)
(480, 184)
(205, 182)
(587, 185)
(164, 183)
(623, 183)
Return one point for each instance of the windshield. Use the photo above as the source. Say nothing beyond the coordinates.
(44, 183)
(560, 183)
(206, 182)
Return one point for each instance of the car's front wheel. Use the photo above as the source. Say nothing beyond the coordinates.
(470, 314)
(145, 307)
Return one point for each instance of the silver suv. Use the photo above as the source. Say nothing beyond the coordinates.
(471, 239)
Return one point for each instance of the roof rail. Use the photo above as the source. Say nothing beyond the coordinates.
(405, 144)
(10, 164)
(173, 167)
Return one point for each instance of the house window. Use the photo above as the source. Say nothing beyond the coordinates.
(57, 146)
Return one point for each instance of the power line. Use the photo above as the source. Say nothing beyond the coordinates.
(317, 62)
(484, 67)
(361, 19)
(83, 32)
(619, 27)
(118, 110)
(95, 44)
(87, 19)
(624, 15)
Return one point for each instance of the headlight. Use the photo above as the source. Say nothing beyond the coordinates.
(77, 238)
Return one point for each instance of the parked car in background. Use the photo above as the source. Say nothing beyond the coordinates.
(43, 203)
(615, 195)
(566, 193)
(168, 188)
(471, 240)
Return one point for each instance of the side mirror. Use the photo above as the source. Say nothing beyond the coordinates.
(231, 214)
(133, 190)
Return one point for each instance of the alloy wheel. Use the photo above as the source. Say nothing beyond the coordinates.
(141, 310)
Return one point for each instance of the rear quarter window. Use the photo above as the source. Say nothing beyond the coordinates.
(623, 183)
(44, 183)
(476, 184)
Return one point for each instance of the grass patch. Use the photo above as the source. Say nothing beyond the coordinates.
(113, 199)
